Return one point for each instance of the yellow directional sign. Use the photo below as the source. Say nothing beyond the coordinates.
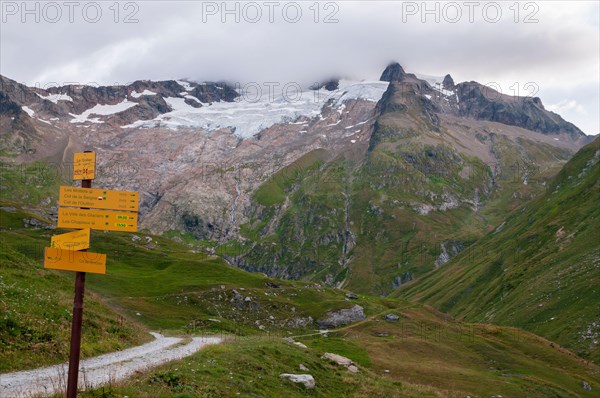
(97, 219)
(70, 260)
(84, 165)
(77, 240)
(98, 198)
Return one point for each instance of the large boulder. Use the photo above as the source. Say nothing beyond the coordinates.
(340, 360)
(307, 380)
(345, 316)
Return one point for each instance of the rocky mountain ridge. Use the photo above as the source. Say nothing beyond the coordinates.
(293, 188)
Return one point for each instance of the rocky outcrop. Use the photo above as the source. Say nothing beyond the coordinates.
(448, 249)
(338, 359)
(399, 280)
(342, 317)
(212, 92)
(341, 361)
(484, 103)
(391, 317)
(393, 73)
(448, 83)
(308, 381)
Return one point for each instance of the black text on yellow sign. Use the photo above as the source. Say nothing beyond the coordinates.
(103, 220)
(77, 240)
(70, 260)
(84, 165)
(98, 198)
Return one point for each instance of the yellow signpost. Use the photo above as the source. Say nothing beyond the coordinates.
(77, 240)
(98, 198)
(68, 252)
(72, 260)
(103, 220)
(84, 165)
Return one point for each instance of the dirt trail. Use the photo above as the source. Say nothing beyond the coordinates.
(101, 370)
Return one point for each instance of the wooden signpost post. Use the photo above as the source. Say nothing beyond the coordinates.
(86, 209)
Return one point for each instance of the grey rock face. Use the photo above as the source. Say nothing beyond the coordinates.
(484, 103)
(393, 73)
(342, 317)
(448, 83)
(307, 380)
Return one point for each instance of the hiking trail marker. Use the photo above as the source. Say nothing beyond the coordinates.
(73, 260)
(103, 220)
(84, 166)
(78, 240)
(98, 199)
(86, 209)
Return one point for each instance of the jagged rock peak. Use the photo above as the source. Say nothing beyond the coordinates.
(393, 73)
(448, 82)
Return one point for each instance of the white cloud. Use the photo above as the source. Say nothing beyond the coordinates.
(567, 106)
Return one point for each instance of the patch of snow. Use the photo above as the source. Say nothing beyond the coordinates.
(335, 124)
(368, 90)
(28, 110)
(353, 141)
(145, 92)
(55, 97)
(444, 92)
(177, 104)
(186, 86)
(44, 121)
(103, 110)
(428, 96)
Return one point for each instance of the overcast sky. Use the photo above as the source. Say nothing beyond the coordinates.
(547, 48)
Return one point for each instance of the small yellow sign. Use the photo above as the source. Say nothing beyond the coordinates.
(70, 260)
(84, 165)
(102, 220)
(77, 240)
(98, 198)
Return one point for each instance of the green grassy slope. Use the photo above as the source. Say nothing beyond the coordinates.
(539, 269)
(36, 306)
(425, 354)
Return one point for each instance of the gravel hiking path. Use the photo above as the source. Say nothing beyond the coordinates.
(104, 369)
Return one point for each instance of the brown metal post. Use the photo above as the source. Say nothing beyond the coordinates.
(76, 325)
